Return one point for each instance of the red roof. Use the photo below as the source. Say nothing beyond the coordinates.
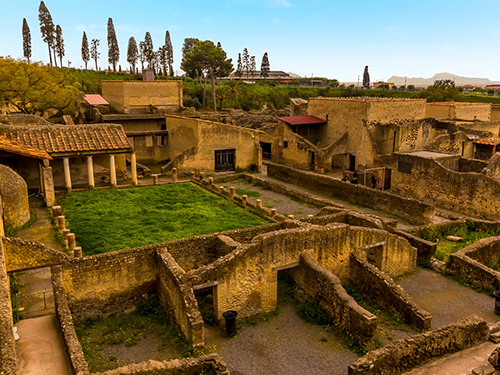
(14, 147)
(95, 99)
(302, 120)
(492, 87)
(488, 141)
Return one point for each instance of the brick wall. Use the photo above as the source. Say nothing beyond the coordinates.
(402, 355)
(382, 289)
(408, 208)
(320, 284)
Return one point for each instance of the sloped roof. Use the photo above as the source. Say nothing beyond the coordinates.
(14, 147)
(95, 99)
(58, 139)
(302, 120)
(488, 141)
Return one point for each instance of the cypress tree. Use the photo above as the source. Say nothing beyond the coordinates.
(46, 27)
(142, 53)
(366, 78)
(132, 53)
(245, 61)
(59, 46)
(265, 67)
(26, 40)
(253, 66)
(113, 50)
(85, 50)
(149, 52)
(170, 53)
(94, 45)
(239, 67)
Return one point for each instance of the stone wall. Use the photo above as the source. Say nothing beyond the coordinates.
(459, 111)
(23, 254)
(108, 284)
(431, 182)
(8, 363)
(402, 355)
(471, 165)
(472, 263)
(14, 192)
(454, 143)
(129, 94)
(426, 249)
(414, 211)
(186, 366)
(320, 284)
(178, 299)
(382, 289)
(63, 315)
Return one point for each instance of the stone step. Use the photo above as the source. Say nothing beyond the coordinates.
(494, 327)
(495, 337)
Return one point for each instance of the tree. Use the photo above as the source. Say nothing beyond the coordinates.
(204, 59)
(85, 50)
(265, 67)
(149, 52)
(239, 67)
(46, 27)
(366, 78)
(245, 61)
(170, 53)
(132, 53)
(113, 50)
(26, 40)
(35, 88)
(334, 83)
(142, 53)
(59, 46)
(162, 58)
(219, 45)
(253, 66)
(94, 45)
(440, 91)
(188, 46)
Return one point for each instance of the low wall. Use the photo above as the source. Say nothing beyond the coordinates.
(108, 284)
(426, 249)
(414, 211)
(402, 355)
(382, 289)
(178, 299)
(186, 366)
(320, 284)
(8, 363)
(63, 315)
(472, 263)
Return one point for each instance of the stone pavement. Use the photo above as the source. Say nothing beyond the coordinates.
(41, 230)
(40, 348)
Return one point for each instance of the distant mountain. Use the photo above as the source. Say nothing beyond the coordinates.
(459, 81)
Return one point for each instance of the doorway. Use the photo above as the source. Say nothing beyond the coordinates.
(352, 162)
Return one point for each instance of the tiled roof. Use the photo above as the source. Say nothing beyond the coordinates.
(95, 99)
(302, 120)
(14, 147)
(488, 141)
(69, 138)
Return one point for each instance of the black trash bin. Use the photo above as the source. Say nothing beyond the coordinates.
(230, 318)
(496, 293)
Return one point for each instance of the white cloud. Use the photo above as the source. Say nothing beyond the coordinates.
(278, 3)
(276, 21)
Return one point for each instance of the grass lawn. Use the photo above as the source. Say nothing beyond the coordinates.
(110, 220)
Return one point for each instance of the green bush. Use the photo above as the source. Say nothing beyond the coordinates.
(312, 312)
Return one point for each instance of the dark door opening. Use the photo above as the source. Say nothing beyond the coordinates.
(224, 160)
(312, 159)
(352, 162)
(266, 150)
(205, 299)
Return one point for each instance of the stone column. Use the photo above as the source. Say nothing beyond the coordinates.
(48, 184)
(174, 174)
(133, 168)
(67, 174)
(90, 169)
(71, 241)
(112, 170)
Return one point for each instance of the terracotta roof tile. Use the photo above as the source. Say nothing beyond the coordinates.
(488, 141)
(69, 138)
(15, 147)
(302, 120)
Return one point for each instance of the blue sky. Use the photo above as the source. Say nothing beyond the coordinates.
(333, 39)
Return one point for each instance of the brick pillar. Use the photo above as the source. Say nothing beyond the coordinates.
(201, 175)
(259, 204)
(48, 184)
(67, 174)
(174, 174)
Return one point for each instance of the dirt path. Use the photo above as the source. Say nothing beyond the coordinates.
(41, 230)
(40, 348)
(285, 345)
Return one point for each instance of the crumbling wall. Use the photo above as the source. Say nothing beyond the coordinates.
(63, 315)
(382, 289)
(14, 192)
(454, 143)
(108, 284)
(8, 363)
(411, 209)
(320, 284)
(186, 366)
(21, 254)
(472, 263)
(178, 299)
(402, 355)
(492, 168)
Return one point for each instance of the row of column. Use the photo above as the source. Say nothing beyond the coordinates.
(90, 170)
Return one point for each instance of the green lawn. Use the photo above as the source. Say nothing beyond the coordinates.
(110, 220)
